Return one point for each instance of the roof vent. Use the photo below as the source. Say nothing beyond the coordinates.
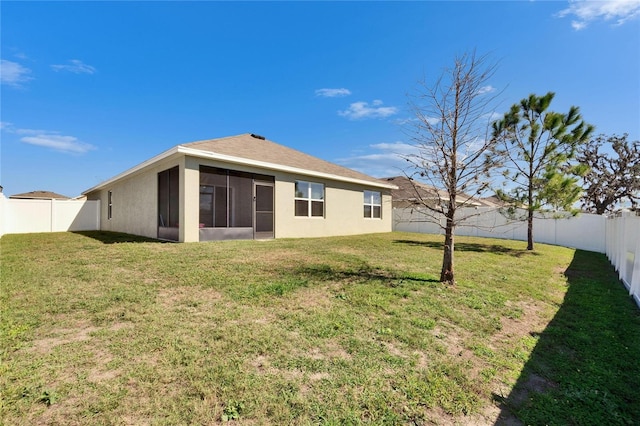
(253, 135)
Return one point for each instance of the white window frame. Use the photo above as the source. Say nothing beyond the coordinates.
(369, 201)
(309, 198)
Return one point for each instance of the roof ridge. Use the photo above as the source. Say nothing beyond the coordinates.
(213, 139)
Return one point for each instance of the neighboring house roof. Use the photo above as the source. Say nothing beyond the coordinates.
(253, 150)
(39, 195)
(492, 201)
(414, 192)
(411, 190)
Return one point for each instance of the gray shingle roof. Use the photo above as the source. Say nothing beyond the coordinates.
(413, 191)
(249, 147)
(257, 151)
(39, 195)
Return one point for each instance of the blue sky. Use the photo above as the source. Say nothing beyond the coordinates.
(92, 89)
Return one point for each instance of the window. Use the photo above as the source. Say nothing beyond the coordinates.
(372, 204)
(309, 199)
(109, 205)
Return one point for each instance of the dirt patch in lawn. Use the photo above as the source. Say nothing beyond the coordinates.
(185, 295)
(81, 332)
(532, 320)
(313, 298)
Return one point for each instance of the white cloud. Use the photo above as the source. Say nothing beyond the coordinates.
(49, 139)
(486, 89)
(13, 74)
(405, 121)
(396, 148)
(333, 93)
(381, 159)
(66, 144)
(360, 110)
(414, 120)
(586, 12)
(493, 116)
(75, 66)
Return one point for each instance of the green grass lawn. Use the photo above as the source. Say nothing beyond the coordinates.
(102, 328)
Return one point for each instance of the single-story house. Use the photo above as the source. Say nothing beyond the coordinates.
(241, 187)
(39, 195)
(410, 193)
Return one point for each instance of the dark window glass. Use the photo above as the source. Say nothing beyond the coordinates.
(302, 208)
(317, 208)
(317, 191)
(109, 205)
(302, 189)
(376, 211)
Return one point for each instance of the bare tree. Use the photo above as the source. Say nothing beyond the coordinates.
(454, 150)
(611, 180)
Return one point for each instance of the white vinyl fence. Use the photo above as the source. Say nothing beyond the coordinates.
(585, 231)
(618, 237)
(623, 250)
(26, 216)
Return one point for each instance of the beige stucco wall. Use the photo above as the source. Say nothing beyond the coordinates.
(135, 201)
(344, 204)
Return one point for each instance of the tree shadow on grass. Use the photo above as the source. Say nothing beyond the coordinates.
(472, 247)
(583, 369)
(323, 272)
(108, 237)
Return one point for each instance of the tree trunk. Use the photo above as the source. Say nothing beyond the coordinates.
(446, 275)
(530, 230)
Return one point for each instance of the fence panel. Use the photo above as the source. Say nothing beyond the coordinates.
(28, 216)
(75, 215)
(25, 216)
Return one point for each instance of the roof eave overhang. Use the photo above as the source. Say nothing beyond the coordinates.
(168, 153)
(182, 150)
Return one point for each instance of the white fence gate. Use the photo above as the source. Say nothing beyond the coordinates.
(618, 237)
(26, 216)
